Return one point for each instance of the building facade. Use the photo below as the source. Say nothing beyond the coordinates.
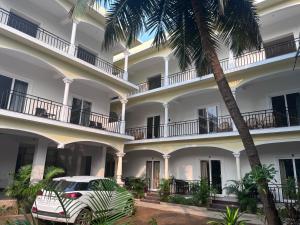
(64, 101)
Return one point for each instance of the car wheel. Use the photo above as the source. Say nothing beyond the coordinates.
(129, 208)
(84, 217)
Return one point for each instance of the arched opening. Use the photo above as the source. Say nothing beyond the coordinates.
(146, 164)
(18, 150)
(216, 165)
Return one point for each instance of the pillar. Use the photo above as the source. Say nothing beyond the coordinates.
(238, 165)
(98, 162)
(166, 75)
(297, 40)
(64, 110)
(166, 157)
(166, 130)
(232, 122)
(120, 156)
(73, 38)
(123, 123)
(126, 56)
(231, 63)
(39, 160)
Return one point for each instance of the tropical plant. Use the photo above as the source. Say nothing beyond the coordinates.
(201, 194)
(153, 221)
(231, 217)
(23, 190)
(137, 186)
(245, 190)
(179, 199)
(194, 30)
(164, 189)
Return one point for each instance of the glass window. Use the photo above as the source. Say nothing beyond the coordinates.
(22, 24)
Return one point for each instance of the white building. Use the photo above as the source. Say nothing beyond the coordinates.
(64, 100)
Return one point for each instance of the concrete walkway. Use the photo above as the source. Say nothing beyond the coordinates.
(196, 211)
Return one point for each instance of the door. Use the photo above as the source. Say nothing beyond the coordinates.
(153, 127)
(293, 105)
(86, 163)
(208, 119)
(22, 24)
(18, 98)
(80, 112)
(202, 121)
(5, 87)
(149, 174)
(279, 110)
(216, 179)
(86, 55)
(204, 166)
(154, 82)
(156, 171)
(152, 174)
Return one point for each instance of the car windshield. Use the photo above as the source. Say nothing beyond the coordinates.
(67, 186)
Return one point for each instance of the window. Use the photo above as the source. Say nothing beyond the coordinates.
(286, 109)
(86, 55)
(153, 127)
(22, 24)
(280, 46)
(289, 169)
(25, 156)
(154, 82)
(80, 112)
(210, 170)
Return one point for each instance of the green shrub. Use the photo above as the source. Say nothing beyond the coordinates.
(137, 186)
(164, 190)
(179, 199)
(201, 193)
(231, 217)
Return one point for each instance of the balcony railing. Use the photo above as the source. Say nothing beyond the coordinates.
(44, 108)
(149, 132)
(255, 120)
(57, 43)
(231, 64)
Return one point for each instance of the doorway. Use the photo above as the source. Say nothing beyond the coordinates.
(153, 127)
(210, 170)
(152, 174)
(80, 112)
(208, 119)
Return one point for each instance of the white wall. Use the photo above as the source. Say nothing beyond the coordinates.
(9, 152)
(134, 163)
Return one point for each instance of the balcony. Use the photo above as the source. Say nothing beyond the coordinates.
(255, 120)
(269, 51)
(54, 41)
(51, 110)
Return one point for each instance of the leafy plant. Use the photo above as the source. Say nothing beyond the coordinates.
(23, 190)
(201, 193)
(153, 221)
(137, 186)
(231, 217)
(164, 189)
(245, 190)
(179, 199)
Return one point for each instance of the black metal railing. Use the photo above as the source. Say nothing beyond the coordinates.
(232, 64)
(58, 43)
(255, 120)
(149, 132)
(100, 63)
(44, 108)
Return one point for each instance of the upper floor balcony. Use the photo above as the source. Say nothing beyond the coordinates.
(271, 51)
(212, 124)
(54, 41)
(77, 114)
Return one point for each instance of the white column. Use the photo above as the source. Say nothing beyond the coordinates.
(98, 162)
(123, 123)
(166, 76)
(234, 95)
(166, 131)
(231, 63)
(126, 56)
(120, 156)
(166, 157)
(297, 36)
(64, 110)
(238, 165)
(73, 38)
(39, 159)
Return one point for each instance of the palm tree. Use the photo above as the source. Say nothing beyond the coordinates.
(194, 29)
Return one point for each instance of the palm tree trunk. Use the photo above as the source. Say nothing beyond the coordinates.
(225, 90)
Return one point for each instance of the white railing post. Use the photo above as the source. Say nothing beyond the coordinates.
(64, 110)
(166, 157)
(123, 123)
(126, 57)
(73, 38)
(166, 110)
(166, 75)
(238, 165)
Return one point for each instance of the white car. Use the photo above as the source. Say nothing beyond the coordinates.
(80, 196)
